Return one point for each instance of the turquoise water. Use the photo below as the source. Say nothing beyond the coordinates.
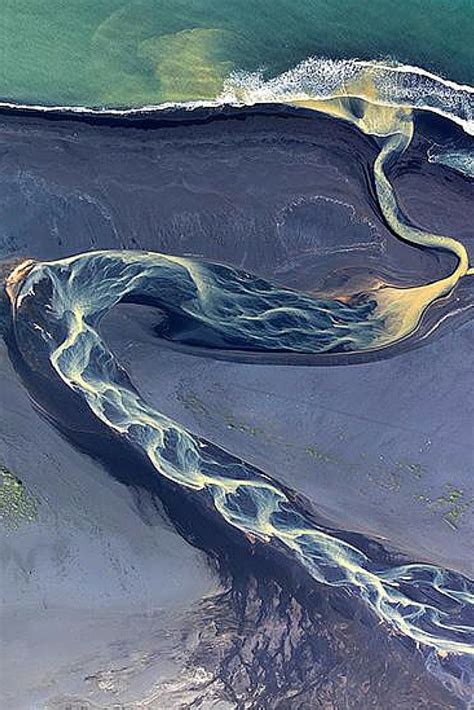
(429, 605)
(150, 51)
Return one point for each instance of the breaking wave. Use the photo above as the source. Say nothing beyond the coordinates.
(320, 79)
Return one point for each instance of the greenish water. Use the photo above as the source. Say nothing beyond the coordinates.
(107, 52)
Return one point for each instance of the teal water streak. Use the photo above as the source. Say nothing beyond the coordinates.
(58, 307)
(150, 51)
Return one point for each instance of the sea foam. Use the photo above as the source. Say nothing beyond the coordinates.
(394, 84)
(316, 79)
(460, 160)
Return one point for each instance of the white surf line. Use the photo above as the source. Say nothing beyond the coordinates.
(272, 91)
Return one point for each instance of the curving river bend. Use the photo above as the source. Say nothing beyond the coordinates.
(58, 307)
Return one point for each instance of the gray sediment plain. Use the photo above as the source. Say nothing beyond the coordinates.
(97, 577)
(383, 448)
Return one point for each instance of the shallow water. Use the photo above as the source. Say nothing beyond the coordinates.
(153, 51)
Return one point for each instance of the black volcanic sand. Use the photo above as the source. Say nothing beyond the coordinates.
(288, 195)
(108, 594)
(268, 637)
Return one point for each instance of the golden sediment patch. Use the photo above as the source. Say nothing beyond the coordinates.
(16, 277)
(188, 64)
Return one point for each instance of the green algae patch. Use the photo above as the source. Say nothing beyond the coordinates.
(17, 504)
(453, 504)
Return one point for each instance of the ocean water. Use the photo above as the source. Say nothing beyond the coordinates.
(112, 53)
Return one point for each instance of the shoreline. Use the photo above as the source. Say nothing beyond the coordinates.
(243, 90)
